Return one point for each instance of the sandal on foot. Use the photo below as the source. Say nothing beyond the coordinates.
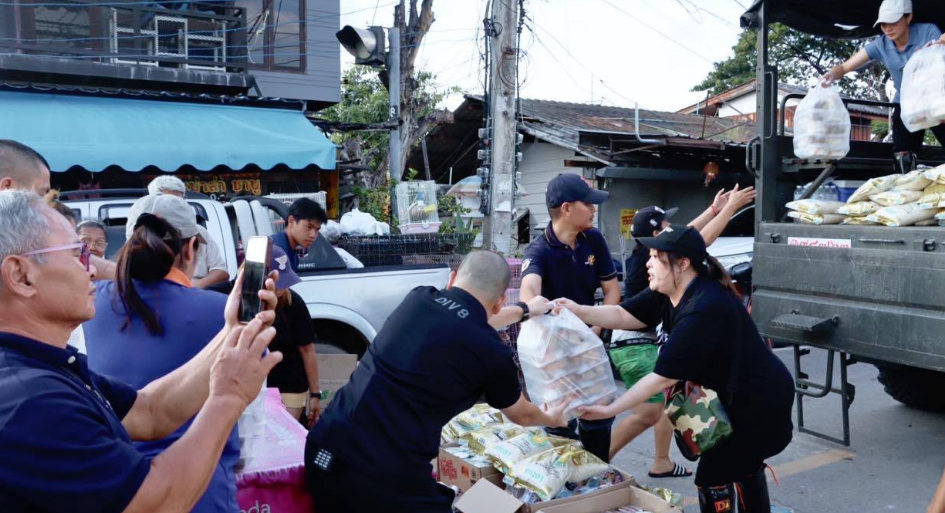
(678, 471)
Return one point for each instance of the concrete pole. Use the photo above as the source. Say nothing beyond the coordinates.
(394, 161)
(498, 225)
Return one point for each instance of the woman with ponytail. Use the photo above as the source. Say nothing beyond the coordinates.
(710, 340)
(151, 320)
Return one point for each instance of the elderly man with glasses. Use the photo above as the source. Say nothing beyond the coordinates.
(67, 432)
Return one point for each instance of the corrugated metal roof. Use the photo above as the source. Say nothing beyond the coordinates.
(566, 120)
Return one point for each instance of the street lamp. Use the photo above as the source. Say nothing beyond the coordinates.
(367, 47)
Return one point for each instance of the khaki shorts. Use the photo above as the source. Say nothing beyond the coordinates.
(299, 400)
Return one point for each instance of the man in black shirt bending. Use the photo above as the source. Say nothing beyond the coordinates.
(433, 359)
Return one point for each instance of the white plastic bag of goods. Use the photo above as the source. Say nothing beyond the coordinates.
(912, 181)
(936, 174)
(893, 198)
(362, 223)
(874, 186)
(821, 125)
(805, 218)
(922, 96)
(563, 360)
(860, 208)
(814, 206)
(902, 215)
(940, 215)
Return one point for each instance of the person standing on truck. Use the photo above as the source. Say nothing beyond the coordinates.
(634, 354)
(900, 40)
(571, 259)
(211, 267)
(710, 340)
(305, 220)
(434, 358)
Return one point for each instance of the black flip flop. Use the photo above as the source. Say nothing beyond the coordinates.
(678, 471)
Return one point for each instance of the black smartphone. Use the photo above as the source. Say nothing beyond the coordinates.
(258, 254)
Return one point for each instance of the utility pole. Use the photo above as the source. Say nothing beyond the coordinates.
(497, 226)
(394, 160)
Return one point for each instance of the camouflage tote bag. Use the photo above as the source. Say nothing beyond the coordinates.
(699, 419)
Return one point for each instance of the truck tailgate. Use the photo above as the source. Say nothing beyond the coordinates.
(885, 286)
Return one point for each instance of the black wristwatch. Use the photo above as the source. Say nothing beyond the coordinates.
(524, 307)
(316, 395)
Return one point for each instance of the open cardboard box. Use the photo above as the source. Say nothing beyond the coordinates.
(334, 371)
(630, 496)
(453, 470)
(487, 497)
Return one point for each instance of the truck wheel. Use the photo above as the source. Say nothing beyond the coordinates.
(917, 388)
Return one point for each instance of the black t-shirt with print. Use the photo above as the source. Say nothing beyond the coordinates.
(702, 332)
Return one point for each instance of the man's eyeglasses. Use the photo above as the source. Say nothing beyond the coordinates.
(85, 256)
(96, 244)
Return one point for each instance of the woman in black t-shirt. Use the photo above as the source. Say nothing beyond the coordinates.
(704, 323)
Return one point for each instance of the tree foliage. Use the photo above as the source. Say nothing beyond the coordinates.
(365, 100)
(800, 58)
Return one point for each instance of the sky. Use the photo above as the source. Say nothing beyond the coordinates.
(609, 52)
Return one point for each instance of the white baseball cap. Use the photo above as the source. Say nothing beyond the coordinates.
(893, 10)
(172, 209)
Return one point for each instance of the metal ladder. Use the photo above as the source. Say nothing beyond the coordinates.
(805, 387)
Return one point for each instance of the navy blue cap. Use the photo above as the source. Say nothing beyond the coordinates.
(683, 240)
(649, 219)
(569, 187)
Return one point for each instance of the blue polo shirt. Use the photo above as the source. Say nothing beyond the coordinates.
(62, 443)
(282, 240)
(190, 318)
(571, 273)
(884, 50)
(434, 358)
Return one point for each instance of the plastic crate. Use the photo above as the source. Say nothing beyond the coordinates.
(378, 250)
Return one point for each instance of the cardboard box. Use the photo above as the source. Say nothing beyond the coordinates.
(453, 470)
(630, 496)
(334, 371)
(486, 497)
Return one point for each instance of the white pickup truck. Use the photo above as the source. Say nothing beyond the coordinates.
(347, 306)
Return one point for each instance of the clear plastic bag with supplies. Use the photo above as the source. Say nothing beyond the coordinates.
(563, 360)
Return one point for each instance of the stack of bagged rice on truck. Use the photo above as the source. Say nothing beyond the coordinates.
(912, 199)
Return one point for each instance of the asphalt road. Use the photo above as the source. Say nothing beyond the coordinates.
(893, 464)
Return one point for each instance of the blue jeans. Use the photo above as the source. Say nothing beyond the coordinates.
(593, 434)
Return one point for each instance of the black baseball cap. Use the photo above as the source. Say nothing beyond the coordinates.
(649, 219)
(569, 187)
(683, 240)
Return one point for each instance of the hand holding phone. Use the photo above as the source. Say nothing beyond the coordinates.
(258, 254)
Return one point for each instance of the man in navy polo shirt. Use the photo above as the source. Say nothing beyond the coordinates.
(434, 358)
(571, 260)
(67, 432)
(306, 218)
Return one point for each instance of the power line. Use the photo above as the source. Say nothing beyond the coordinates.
(666, 36)
(376, 5)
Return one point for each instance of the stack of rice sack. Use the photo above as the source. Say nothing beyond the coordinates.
(537, 467)
(933, 196)
(923, 89)
(912, 199)
(821, 125)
